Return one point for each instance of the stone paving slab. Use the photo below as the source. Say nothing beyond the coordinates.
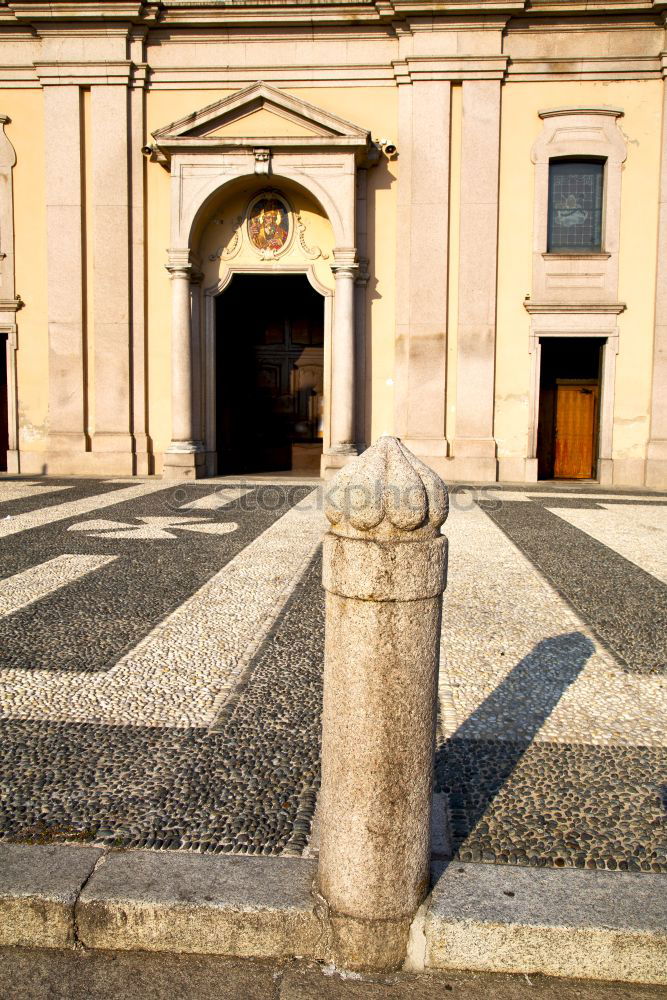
(38, 890)
(256, 908)
(86, 975)
(588, 924)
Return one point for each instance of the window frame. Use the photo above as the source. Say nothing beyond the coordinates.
(557, 251)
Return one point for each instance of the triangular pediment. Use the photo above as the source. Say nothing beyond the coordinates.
(260, 112)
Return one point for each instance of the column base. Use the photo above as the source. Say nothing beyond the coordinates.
(517, 470)
(605, 471)
(473, 460)
(432, 451)
(335, 458)
(77, 463)
(656, 464)
(184, 460)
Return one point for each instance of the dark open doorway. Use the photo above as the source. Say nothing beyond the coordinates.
(569, 416)
(269, 375)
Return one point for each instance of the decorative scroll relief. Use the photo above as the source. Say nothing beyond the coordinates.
(233, 247)
(312, 253)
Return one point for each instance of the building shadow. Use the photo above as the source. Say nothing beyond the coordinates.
(472, 766)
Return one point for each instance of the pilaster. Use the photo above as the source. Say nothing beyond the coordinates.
(474, 446)
(65, 277)
(656, 455)
(422, 266)
(111, 269)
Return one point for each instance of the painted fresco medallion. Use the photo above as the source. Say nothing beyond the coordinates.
(269, 224)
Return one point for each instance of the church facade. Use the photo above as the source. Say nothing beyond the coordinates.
(243, 237)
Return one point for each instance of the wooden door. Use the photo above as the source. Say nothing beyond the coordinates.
(576, 425)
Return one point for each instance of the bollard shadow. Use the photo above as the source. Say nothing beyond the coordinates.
(472, 766)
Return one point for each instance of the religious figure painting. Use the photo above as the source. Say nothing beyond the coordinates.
(269, 223)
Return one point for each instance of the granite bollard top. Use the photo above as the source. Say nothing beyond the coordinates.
(385, 493)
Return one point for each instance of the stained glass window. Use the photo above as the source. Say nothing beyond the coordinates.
(575, 206)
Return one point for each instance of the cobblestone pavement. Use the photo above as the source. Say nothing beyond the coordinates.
(160, 669)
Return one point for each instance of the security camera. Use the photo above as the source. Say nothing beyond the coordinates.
(390, 148)
(147, 150)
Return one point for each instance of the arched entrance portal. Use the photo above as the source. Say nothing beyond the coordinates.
(269, 378)
(295, 167)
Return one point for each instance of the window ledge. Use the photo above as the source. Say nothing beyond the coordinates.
(569, 255)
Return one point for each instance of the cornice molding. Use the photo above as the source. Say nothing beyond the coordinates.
(213, 12)
(121, 72)
(583, 308)
(450, 68)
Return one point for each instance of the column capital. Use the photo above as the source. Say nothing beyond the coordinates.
(181, 263)
(345, 261)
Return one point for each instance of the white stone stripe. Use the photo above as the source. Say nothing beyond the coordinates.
(33, 584)
(23, 490)
(635, 531)
(564, 495)
(61, 511)
(215, 501)
(178, 674)
(498, 610)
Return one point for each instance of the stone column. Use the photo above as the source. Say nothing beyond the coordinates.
(64, 247)
(184, 458)
(656, 456)
(384, 575)
(343, 436)
(474, 447)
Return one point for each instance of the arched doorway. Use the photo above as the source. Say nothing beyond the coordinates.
(269, 375)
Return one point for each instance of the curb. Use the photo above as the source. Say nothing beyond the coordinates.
(490, 918)
(559, 922)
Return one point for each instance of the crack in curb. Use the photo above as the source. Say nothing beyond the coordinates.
(78, 944)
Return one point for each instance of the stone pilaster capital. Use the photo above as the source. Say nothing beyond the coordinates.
(179, 271)
(345, 263)
(181, 264)
(387, 494)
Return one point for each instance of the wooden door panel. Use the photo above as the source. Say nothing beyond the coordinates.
(576, 413)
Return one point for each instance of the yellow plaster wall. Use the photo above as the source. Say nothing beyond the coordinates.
(641, 103)
(26, 134)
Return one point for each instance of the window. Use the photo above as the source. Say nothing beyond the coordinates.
(575, 206)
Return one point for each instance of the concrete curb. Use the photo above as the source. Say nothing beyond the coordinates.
(491, 918)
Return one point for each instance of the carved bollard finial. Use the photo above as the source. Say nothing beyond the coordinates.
(384, 573)
(386, 491)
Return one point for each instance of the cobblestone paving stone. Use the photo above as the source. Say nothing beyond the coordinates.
(205, 734)
(626, 606)
(248, 787)
(552, 752)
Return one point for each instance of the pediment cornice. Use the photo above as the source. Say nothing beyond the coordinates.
(305, 126)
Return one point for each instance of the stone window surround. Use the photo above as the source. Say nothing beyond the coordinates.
(599, 323)
(587, 131)
(585, 304)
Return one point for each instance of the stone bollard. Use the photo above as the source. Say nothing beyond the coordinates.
(384, 574)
